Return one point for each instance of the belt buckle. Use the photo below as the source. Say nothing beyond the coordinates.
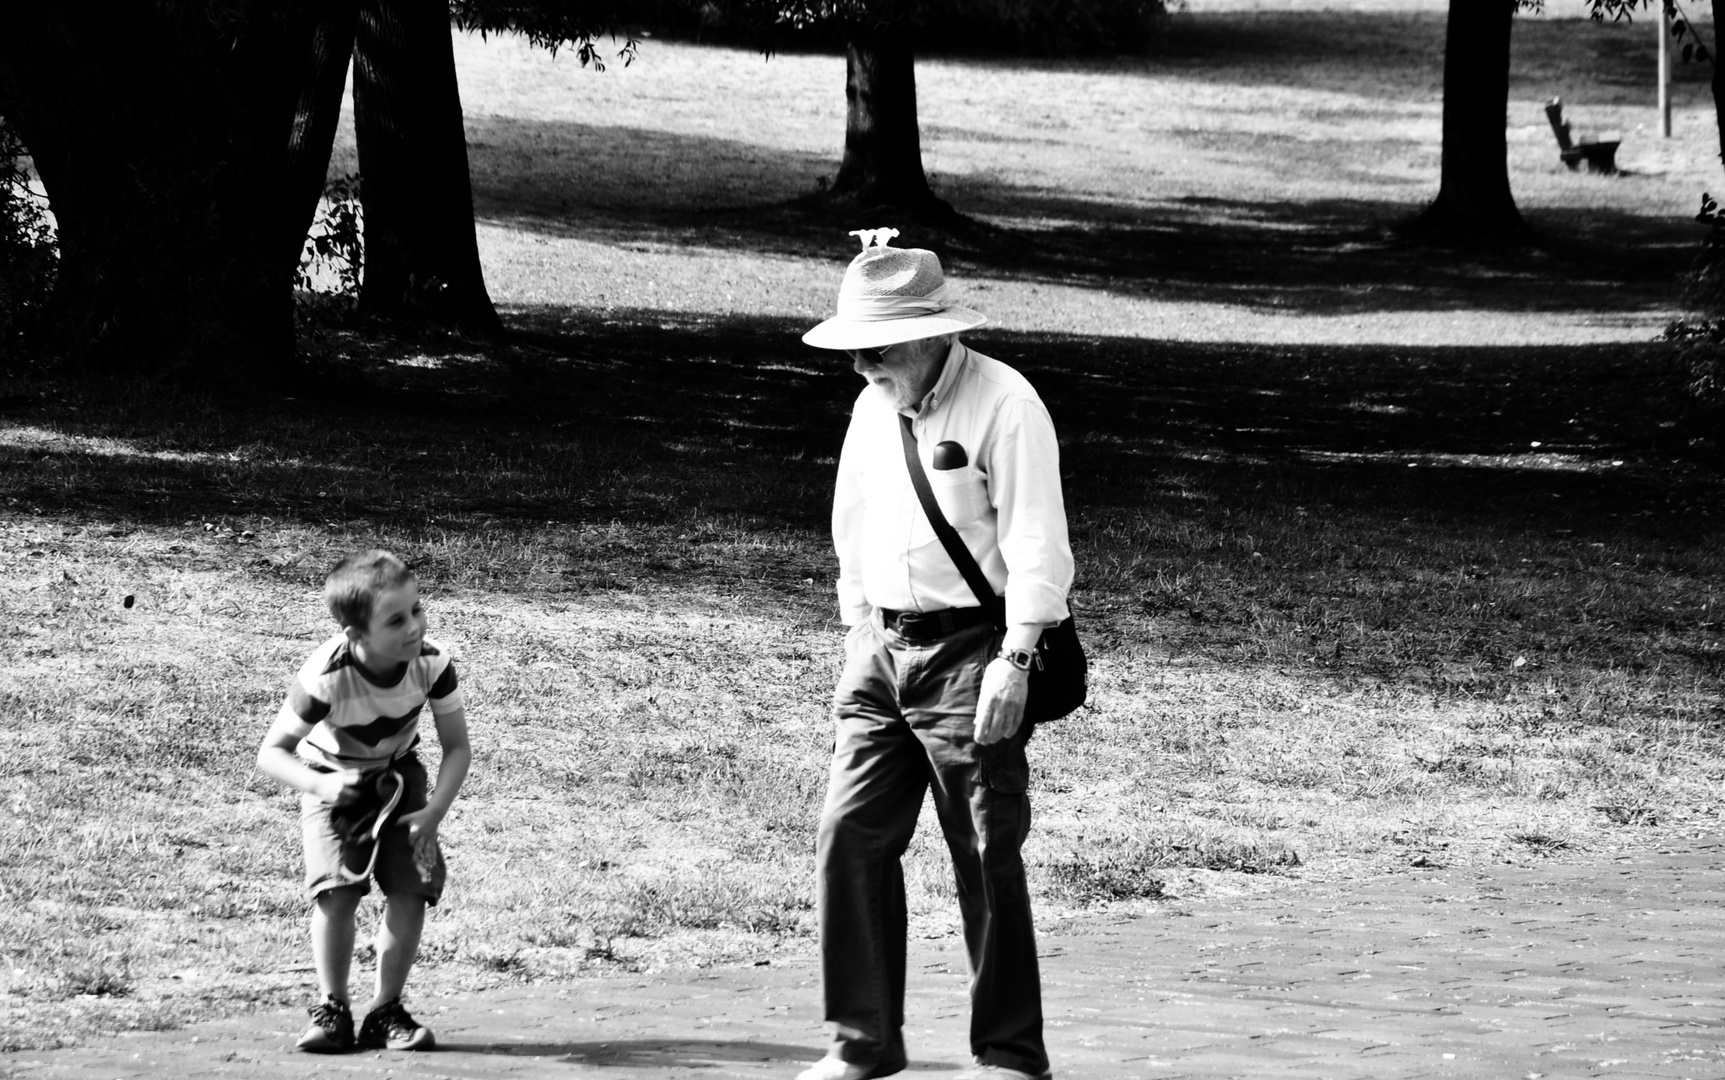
(926, 625)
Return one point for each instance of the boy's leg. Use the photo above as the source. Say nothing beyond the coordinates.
(332, 923)
(407, 891)
(387, 1024)
(397, 944)
(332, 932)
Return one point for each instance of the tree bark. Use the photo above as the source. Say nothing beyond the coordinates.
(317, 114)
(1718, 84)
(1474, 199)
(160, 133)
(421, 251)
(882, 163)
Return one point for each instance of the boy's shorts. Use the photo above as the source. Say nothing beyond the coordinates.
(395, 871)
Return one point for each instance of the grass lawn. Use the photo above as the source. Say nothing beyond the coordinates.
(1388, 556)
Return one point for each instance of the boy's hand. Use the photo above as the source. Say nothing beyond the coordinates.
(341, 787)
(422, 834)
(422, 829)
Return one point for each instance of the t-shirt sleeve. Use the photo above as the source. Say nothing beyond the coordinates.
(302, 704)
(445, 693)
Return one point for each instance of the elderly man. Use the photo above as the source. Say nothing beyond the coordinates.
(934, 684)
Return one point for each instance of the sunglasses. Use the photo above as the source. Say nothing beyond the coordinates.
(874, 356)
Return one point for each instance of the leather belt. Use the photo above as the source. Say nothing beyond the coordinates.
(933, 625)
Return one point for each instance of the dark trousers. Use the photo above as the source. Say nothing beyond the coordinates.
(905, 715)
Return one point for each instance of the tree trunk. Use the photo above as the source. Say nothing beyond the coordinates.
(1718, 84)
(1474, 200)
(421, 251)
(882, 163)
(316, 116)
(160, 136)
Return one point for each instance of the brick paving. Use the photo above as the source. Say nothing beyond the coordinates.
(1543, 969)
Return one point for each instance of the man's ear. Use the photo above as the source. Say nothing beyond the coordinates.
(354, 634)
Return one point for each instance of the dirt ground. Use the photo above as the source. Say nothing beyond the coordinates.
(1512, 969)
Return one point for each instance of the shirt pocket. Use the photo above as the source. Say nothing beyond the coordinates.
(962, 495)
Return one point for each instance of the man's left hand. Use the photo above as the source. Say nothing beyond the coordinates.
(1000, 706)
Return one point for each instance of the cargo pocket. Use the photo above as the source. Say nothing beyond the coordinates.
(1005, 769)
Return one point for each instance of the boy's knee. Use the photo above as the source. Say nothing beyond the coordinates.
(405, 902)
(343, 900)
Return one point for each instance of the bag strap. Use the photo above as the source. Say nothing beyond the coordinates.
(949, 538)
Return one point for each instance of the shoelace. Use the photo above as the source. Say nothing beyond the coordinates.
(326, 1014)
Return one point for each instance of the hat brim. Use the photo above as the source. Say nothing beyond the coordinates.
(842, 333)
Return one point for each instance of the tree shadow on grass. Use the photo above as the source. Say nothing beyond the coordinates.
(1400, 54)
(641, 415)
(1220, 484)
(1329, 257)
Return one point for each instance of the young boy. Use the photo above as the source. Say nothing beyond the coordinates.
(345, 737)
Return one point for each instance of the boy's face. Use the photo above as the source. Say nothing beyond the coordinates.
(396, 629)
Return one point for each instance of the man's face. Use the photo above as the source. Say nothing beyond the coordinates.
(396, 629)
(906, 371)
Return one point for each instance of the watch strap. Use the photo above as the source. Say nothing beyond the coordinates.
(1018, 658)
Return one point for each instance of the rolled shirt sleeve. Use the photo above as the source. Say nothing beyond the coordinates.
(849, 508)
(1024, 486)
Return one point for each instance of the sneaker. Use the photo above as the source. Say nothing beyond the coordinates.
(980, 1071)
(391, 1027)
(835, 1068)
(331, 1030)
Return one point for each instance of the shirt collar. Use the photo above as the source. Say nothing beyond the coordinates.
(949, 374)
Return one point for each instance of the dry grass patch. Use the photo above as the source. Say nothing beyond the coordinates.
(1365, 589)
(1301, 668)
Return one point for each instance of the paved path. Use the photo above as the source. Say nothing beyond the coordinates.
(1508, 971)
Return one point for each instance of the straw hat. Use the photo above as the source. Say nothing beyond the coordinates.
(891, 295)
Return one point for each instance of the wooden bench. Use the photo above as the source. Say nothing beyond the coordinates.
(1599, 152)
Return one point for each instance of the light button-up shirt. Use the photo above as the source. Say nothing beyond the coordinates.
(1005, 501)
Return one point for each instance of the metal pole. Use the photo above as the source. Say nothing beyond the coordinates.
(1664, 24)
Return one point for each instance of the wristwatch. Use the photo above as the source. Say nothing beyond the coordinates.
(1018, 658)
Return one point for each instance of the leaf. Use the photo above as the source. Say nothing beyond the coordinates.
(1701, 53)
(1688, 53)
(1679, 28)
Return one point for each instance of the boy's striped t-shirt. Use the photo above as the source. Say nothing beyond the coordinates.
(358, 723)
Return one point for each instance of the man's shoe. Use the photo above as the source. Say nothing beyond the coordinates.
(980, 1071)
(833, 1068)
(391, 1027)
(331, 1030)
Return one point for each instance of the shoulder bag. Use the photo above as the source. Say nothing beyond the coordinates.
(1058, 668)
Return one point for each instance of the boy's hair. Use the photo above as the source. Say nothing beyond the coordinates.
(352, 587)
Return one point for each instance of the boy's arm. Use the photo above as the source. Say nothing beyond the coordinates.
(457, 755)
(276, 758)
